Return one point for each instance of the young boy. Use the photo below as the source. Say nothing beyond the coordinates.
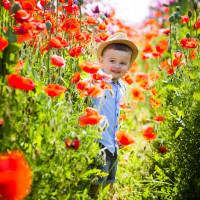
(116, 55)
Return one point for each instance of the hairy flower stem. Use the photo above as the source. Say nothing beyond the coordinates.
(170, 43)
(56, 16)
(48, 55)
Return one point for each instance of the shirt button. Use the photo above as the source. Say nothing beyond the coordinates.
(116, 126)
(117, 114)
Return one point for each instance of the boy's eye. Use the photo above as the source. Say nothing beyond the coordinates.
(123, 63)
(111, 60)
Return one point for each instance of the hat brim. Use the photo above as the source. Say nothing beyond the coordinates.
(126, 42)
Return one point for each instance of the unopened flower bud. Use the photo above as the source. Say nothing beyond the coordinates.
(187, 35)
(171, 19)
(195, 6)
(176, 15)
(178, 8)
(41, 73)
(111, 93)
(16, 7)
(48, 25)
(189, 13)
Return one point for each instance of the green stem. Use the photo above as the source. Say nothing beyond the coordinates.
(48, 55)
(56, 16)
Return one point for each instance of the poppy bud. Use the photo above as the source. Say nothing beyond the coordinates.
(111, 93)
(176, 15)
(103, 17)
(189, 13)
(178, 9)
(195, 6)
(171, 19)
(53, 76)
(32, 100)
(187, 35)
(41, 72)
(16, 7)
(48, 25)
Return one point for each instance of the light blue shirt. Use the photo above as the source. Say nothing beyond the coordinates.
(108, 105)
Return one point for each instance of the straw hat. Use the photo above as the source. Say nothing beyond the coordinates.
(118, 37)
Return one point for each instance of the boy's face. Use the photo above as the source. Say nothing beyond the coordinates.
(115, 62)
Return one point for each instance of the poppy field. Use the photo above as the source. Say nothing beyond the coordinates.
(48, 77)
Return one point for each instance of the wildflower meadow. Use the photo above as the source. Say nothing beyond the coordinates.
(48, 77)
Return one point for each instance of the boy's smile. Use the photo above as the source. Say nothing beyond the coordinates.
(115, 63)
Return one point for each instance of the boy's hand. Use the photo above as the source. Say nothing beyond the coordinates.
(120, 145)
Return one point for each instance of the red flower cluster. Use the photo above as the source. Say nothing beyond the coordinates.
(54, 90)
(148, 134)
(15, 175)
(3, 43)
(19, 82)
(73, 145)
(90, 66)
(91, 117)
(125, 138)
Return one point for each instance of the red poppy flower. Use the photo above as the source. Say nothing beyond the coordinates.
(91, 20)
(154, 102)
(178, 55)
(91, 117)
(94, 90)
(176, 62)
(183, 42)
(90, 66)
(122, 103)
(125, 138)
(1, 122)
(102, 27)
(157, 55)
(76, 51)
(58, 61)
(19, 82)
(25, 37)
(70, 24)
(44, 2)
(159, 118)
(162, 149)
(166, 32)
(154, 91)
(171, 70)
(140, 77)
(22, 16)
(54, 90)
(148, 134)
(3, 43)
(154, 75)
(76, 77)
(73, 145)
(192, 44)
(71, 8)
(55, 42)
(185, 19)
(137, 94)
(80, 36)
(19, 65)
(6, 4)
(164, 64)
(101, 75)
(128, 79)
(15, 175)
(162, 46)
(122, 118)
(105, 85)
(148, 48)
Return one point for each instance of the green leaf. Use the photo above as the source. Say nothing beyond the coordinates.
(196, 96)
(178, 132)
